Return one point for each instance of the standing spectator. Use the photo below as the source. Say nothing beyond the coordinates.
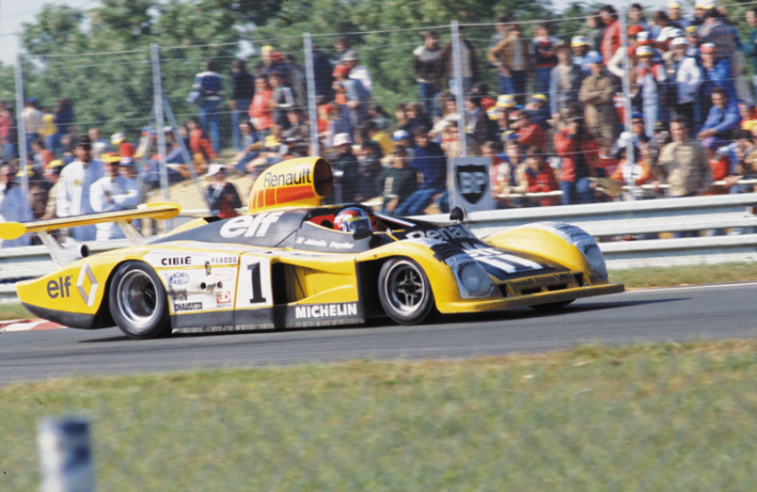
(379, 136)
(369, 164)
(581, 53)
(430, 161)
(33, 123)
(611, 39)
(52, 175)
(347, 162)
(650, 87)
(260, 111)
(272, 61)
(596, 31)
(209, 88)
(64, 116)
(687, 77)
(683, 163)
(112, 193)
(750, 48)
(428, 69)
(222, 195)
(8, 134)
(724, 36)
(674, 14)
(579, 152)
(357, 71)
(76, 179)
(416, 117)
(717, 72)
(398, 182)
(722, 120)
(537, 106)
(565, 82)
(512, 56)
(299, 130)
(281, 100)
(355, 96)
(636, 17)
(242, 90)
(99, 144)
(322, 70)
(14, 205)
(545, 57)
(341, 47)
(201, 149)
(297, 81)
(469, 63)
(598, 95)
(251, 146)
(51, 133)
(501, 27)
(480, 127)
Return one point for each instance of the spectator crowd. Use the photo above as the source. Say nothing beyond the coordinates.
(551, 123)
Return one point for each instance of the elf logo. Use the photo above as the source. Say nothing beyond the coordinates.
(60, 287)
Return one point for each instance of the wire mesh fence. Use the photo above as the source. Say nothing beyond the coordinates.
(578, 106)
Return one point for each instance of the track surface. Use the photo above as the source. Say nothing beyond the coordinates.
(676, 314)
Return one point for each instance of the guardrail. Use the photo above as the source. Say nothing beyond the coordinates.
(600, 220)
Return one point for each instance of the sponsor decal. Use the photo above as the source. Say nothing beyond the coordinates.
(554, 279)
(300, 240)
(224, 274)
(272, 180)
(320, 243)
(223, 297)
(472, 181)
(326, 310)
(163, 258)
(443, 233)
(250, 225)
(176, 260)
(86, 273)
(59, 288)
(186, 306)
(178, 278)
(335, 245)
(223, 260)
(178, 295)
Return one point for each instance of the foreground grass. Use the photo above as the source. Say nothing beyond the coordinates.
(664, 417)
(688, 275)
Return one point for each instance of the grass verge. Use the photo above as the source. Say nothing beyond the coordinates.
(658, 417)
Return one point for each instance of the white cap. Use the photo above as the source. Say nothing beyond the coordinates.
(705, 4)
(674, 4)
(680, 41)
(214, 169)
(341, 139)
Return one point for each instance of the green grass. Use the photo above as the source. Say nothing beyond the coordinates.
(688, 275)
(14, 311)
(664, 417)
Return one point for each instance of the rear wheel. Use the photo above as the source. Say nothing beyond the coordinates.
(551, 306)
(138, 302)
(404, 291)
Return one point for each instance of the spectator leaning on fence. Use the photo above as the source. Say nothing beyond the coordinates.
(683, 163)
(347, 162)
(579, 151)
(722, 120)
(428, 69)
(112, 193)
(398, 182)
(207, 92)
(75, 183)
(429, 160)
(14, 204)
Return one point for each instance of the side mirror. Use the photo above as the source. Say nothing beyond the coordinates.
(362, 233)
(457, 214)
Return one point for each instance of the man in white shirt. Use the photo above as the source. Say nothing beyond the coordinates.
(74, 185)
(112, 193)
(33, 123)
(14, 205)
(358, 71)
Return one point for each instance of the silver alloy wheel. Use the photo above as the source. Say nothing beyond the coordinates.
(405, 288)
(137, 298)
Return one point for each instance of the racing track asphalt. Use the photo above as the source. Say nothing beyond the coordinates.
(654, 315)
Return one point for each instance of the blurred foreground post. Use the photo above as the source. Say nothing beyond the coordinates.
(65, 455)
(312, 110)
(457, 65)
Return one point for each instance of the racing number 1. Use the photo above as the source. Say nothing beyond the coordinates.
(257, 291)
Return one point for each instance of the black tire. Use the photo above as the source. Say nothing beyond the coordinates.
(137, 302)
(551, 306)
(404, 291)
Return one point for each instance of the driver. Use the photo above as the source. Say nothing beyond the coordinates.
(352, 219)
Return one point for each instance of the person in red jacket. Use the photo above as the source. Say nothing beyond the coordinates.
(579, 151)
(529, 133)
(541, 179)
(611, 38)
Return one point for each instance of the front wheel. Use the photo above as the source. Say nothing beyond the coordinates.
(138, 302)
(404, 291)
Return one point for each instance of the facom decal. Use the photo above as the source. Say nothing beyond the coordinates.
(59, 288)
(326, 310)
(88, 297)
(180, 307)
(224, 274)
(249, 225)
(223, 297)
(178, 278)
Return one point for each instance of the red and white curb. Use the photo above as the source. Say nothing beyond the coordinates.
(28, 325)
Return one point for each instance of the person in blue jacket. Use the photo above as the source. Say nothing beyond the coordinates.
(722, 119)
(430, 161)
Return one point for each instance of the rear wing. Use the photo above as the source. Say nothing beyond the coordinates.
(122, 218)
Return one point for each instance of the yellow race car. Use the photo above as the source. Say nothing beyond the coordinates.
(293, 262)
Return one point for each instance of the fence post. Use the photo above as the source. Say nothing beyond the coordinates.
(312, 110)
(20, 127)
(627, 101)
(458, 71)
(66, 456)
(158, 98)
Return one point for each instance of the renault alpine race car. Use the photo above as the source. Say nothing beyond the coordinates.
(285, 265)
